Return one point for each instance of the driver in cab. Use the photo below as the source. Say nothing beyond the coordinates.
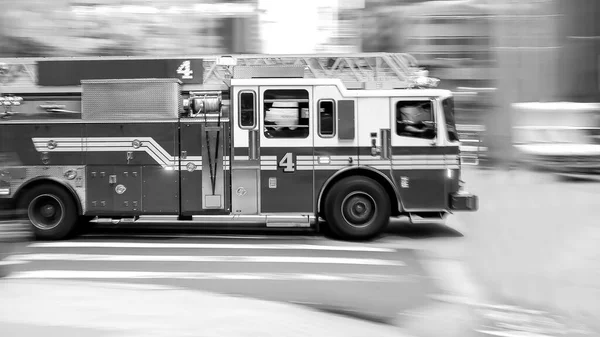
(415, 121)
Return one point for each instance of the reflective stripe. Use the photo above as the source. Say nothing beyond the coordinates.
(268, 163)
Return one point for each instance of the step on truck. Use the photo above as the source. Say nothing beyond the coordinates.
(341, 141)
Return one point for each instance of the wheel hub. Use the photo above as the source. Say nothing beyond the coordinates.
(358, 209)
(48, 211)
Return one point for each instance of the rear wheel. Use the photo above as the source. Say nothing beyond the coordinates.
(51, 211)
(357, 208)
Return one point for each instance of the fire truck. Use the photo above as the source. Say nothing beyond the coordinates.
(343, 142)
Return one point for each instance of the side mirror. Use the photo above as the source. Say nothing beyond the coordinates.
(432, 128)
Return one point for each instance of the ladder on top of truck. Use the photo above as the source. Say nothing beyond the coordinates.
(380, 70)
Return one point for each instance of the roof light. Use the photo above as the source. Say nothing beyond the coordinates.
(426, 82)
(226, 61)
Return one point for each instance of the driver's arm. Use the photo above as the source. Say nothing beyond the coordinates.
(410, 125)
(411, 128)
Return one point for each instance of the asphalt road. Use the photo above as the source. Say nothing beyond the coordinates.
(378, 280)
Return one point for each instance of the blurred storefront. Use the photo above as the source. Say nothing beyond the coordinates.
(579, 35)
(547, 51)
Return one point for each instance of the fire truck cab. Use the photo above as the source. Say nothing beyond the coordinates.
(267, 145)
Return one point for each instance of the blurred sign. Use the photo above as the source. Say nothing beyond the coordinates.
(352, 4)
(64, 73)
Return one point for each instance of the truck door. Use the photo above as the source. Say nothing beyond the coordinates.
(418, 166)
(245, 154)
(286, 150)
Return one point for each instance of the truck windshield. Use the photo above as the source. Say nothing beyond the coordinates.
(448, 105)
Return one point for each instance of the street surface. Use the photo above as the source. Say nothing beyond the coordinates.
(534, 243)
(378, 281)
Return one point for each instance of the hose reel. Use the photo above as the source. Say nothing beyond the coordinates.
(202, 103)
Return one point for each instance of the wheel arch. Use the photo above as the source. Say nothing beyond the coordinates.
(363, 171)
(40, 181)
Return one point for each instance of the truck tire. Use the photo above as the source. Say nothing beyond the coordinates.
(51, 211)
(357, 208)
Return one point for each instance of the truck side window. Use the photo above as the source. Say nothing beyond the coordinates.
(286, 113)
(415, 119)
(448, 106)
(247, 107)
(327, 118)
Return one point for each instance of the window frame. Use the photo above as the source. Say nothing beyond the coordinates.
(334, 117)
(431, 101)
(255, 109)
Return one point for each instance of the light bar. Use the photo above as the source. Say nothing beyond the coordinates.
(428, 82)
(11, 100)
(226, 60)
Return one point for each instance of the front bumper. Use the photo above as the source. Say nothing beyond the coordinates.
(464, 201)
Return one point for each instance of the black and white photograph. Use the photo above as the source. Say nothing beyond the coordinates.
(351, 168)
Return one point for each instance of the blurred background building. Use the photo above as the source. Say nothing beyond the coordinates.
(452, 39)
(131, 27)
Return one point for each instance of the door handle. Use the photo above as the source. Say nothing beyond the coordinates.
(375, 150)
(384, 139)
(112, 179)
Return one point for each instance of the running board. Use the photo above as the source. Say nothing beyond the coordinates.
(270, 220)
(425, 218)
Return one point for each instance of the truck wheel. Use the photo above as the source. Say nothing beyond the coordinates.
(357, 208)
(51, 211)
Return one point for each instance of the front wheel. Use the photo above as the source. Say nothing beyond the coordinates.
(357, 208)
(51, 211)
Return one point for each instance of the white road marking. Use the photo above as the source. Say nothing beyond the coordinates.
(183, 236)
(188, 258)
(81, 244)
(70, 274)
(511, 333)
(9, 261)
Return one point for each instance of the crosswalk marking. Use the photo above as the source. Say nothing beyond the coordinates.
(105, 274)
(81, 244)
(124, 261)
(201, 258)
(9, 261)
